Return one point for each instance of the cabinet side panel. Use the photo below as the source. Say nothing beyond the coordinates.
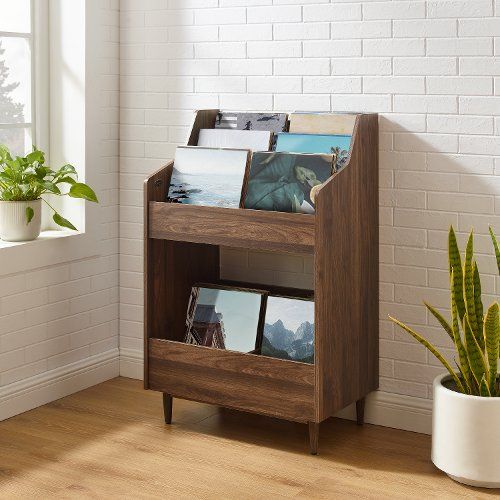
(173, 268)
(186, 264)
(346, 277)
(204, 118)
(155, 189)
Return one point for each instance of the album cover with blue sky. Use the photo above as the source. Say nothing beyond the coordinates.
(208, 177)
(337, 145)
(289, 329)
(224, 318)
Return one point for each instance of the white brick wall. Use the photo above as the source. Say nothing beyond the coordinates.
(58, 315)
(428, 67)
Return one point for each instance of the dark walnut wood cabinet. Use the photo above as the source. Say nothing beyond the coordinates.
(182, 247)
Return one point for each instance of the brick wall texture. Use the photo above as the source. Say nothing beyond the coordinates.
(430, 68)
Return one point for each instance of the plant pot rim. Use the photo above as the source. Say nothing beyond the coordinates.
(445, 377)
(20, 201)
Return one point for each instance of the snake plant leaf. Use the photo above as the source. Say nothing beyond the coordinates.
(492, 336)
(455, 263)
(457, 340)
(432, 349)
(495, 245)
(470, 305)
(484, 390)
(474, 353)
(440, 318)
(467, 387)
(478, 305)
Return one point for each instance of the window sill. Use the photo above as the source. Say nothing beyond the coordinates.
(51, 248)
(44, 236)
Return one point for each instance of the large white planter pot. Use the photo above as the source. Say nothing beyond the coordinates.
(466, 436)
(13, 225)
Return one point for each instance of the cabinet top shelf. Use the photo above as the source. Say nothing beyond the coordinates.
(343, 197)
(232, 227)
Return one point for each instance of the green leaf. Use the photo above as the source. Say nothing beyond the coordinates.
(67, 180)
(478, 303)
(80, 190)
(61, 221)
(4, 153)
(455, 263)
(30, 213)
(492, 336)
(433, 350)
(67, 169)
(495, 245)
(457, 340)
(484, 390)
(474, 353)
(35, 156)
(470, 305)
(14, 164)
(478, 306)
(468, 388)
(51, 187)
(41, 172)
(7, 175)
(440, 318)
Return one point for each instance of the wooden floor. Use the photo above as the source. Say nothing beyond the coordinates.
(110, 441)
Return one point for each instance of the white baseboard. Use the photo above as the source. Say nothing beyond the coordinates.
(382, 408)
(42, 389)
(131, 363)
(396, 411)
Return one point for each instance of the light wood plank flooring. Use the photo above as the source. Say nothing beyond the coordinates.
(110, 441)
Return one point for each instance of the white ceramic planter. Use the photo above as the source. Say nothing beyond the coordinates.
(466, 436)
(13, 226)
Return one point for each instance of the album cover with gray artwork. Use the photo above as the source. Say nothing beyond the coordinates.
(274, 122)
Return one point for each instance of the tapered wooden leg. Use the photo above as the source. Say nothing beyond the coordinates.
(360, 411)
(167, 408)
(314, 437)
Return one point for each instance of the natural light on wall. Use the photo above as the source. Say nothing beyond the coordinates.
(68, 120)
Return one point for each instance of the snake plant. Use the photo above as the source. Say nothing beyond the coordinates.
(475, 335)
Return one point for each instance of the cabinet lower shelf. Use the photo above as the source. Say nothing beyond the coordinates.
(275, 387)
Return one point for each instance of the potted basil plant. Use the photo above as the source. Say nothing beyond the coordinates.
(24, 180)
(466, 406)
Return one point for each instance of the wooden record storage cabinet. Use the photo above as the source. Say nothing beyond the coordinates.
(182, 247)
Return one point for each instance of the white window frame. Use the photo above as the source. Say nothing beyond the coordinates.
(37, 39)
(40, 76)
(65, 64)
